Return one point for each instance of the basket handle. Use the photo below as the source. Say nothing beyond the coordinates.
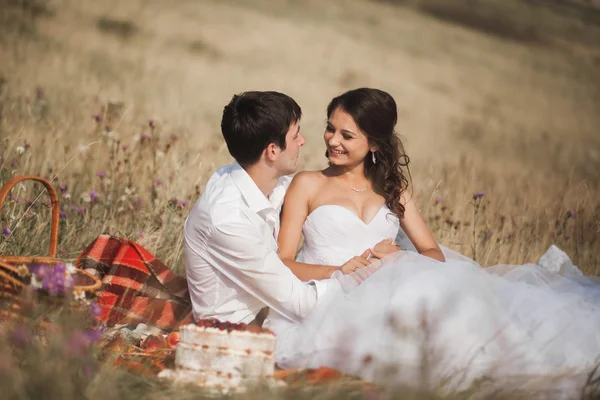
(55, 206)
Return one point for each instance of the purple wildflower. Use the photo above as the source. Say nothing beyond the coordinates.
(438, 200)
(53, 279)
(151, 123)
(182, 204)
(93, 195)
(39, 93)
(78, 209)
(570, 214)
(6, 231)
(97, 117)
(77, 344)
(63, 214)
(88, 370)
(95, 309)
(144, 138)
(124, 147)
(63, 188)
(101, 174)
(159, 182)
(140, 234)
(478, 195)
(20, 336)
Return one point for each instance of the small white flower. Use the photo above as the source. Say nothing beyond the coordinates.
(111, 134)
(159, 154)
(20, 150)
(35, 282)
(82, 148)
(23, 271)
(79, 295)
(71, 268)
(85, 197)
(129, 191)
(67, 196)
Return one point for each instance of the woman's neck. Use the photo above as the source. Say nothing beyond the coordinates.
(354, 173)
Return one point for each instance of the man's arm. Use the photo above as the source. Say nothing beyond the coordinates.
(237, 249)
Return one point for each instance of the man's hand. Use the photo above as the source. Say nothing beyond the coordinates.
(384, 248)
(356, 262)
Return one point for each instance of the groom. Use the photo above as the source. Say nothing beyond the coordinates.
(230, 237)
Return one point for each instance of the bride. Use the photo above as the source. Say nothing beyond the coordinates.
(425, 312)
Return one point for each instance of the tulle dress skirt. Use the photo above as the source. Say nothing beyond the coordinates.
(419, 320)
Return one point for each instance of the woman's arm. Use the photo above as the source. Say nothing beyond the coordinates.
(418, 233)
(295, 212)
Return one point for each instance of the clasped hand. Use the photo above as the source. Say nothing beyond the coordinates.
(380, 250)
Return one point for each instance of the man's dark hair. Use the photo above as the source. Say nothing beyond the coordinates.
(253, 120)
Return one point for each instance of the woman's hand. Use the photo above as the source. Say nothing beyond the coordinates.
(384, 248)
(356, 263)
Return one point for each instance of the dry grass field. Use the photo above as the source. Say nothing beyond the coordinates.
(119, 103)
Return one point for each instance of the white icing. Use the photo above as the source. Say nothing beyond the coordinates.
(216, 358)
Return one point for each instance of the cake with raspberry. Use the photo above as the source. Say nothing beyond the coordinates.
(223, 355)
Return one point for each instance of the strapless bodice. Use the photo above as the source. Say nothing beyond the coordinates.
(333, 234)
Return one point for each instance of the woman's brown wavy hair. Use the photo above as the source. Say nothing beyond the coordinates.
(375, 113)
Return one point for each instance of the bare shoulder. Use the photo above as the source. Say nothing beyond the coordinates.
(406, 197)
(308, 180)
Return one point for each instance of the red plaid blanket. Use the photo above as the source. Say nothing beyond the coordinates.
(137, 287)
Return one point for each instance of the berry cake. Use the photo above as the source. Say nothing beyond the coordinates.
(224, 355)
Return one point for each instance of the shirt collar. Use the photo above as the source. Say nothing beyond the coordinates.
(255, 199)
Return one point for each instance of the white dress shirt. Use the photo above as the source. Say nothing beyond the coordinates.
(230, 249)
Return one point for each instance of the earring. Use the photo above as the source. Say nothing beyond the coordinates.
(373, 157)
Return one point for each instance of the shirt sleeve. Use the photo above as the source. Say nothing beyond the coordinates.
(238, 250)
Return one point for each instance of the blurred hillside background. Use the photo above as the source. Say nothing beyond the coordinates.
(120, 103)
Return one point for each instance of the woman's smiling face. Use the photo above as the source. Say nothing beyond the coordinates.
(346, 144)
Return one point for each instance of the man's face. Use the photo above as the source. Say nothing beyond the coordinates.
(287, 161)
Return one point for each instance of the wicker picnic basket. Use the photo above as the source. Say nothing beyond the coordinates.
(13, 275)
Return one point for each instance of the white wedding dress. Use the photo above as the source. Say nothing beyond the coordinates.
(419, 320)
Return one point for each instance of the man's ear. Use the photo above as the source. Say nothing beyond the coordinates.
(272, 152)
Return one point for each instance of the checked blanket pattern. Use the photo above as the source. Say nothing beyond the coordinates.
(136, 286)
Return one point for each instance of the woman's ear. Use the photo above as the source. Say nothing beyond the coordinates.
(373, 149)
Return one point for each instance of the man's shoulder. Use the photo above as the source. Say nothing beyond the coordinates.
(221, 202)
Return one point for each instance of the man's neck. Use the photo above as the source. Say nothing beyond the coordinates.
(264, 177)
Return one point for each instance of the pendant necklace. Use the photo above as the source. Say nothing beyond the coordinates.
(355, 189)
